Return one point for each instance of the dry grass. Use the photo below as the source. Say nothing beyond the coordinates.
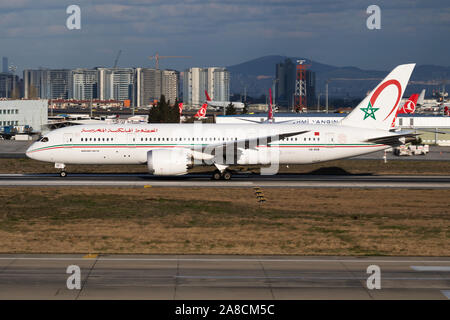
(350, 166)
(225, 221)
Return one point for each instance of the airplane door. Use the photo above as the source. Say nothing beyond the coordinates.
(330, 139)
(131, 140)
(68, 139)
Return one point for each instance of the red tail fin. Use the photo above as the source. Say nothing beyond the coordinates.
(207, 96)
(270, 115)
(202, 111)
(410, 105)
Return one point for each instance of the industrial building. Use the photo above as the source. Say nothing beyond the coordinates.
(196, 80)
(32, 113)
(295, 85)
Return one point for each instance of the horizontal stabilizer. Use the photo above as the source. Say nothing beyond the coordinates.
(394, 140)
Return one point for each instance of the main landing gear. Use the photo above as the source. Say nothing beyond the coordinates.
(225, 175)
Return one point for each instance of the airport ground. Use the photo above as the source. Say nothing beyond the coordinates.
(333, 221)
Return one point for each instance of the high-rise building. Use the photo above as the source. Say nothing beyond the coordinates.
(35, 84)
(170, 80)
(220, 90)
(59, 83)
(84, 84)
(197, 80)
(9, 86)
(286, 76)
(152, 83)
(117, 84)
(5, 64)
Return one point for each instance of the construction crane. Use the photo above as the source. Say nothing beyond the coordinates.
(156, 57)
(117, 59)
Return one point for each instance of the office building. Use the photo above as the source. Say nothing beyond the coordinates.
(196, 80)
(5, 64)
(84, 84)
(116, 84)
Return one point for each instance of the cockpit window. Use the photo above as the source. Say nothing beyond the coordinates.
(44, 139)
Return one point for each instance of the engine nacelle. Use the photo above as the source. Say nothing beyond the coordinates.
(169, 162)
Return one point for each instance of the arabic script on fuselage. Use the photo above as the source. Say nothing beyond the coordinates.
(119, 130)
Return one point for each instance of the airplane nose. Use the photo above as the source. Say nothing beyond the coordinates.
(28, 153)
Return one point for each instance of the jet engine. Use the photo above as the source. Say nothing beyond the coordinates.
(169, 162)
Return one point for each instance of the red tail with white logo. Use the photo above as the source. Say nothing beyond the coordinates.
(201, 113)
(410, 105)
(207, 96)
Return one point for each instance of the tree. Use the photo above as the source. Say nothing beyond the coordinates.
(230, 109)
(245, 109)
(163, 112)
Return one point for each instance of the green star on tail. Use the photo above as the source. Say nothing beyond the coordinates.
(369, 111)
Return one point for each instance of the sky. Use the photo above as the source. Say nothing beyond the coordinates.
(33, 33)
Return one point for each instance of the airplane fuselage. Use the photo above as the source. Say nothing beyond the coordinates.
(130, 143)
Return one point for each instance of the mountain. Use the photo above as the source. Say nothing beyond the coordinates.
(257, 76)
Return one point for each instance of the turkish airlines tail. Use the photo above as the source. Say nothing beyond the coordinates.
(379, 109)
(410, 105)
(207, 96)
(201, 113)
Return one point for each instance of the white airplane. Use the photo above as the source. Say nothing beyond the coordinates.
(171, 149)
(223, 104)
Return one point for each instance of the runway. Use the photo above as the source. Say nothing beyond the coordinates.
(222, 277)
(238, 180)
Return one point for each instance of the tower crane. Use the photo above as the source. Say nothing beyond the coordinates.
(156, 57)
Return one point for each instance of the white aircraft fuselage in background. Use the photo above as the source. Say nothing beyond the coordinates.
(224, 104)
(170, 149)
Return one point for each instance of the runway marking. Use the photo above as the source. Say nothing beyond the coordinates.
(431, 268)
(446, 293)
(228, 260)
(90, 256)
(305, 278)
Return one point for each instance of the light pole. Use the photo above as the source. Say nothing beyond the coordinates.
(318, 101)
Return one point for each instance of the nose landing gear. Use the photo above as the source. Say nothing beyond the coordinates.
(61, 166)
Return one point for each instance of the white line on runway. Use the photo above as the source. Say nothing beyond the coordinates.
(225, 260)
(431, 268)
(304, 278)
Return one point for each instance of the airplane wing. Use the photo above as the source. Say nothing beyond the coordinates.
(394, 140)
(265, 121)
(252, 142)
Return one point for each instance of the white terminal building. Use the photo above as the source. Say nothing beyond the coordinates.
(18, 113)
